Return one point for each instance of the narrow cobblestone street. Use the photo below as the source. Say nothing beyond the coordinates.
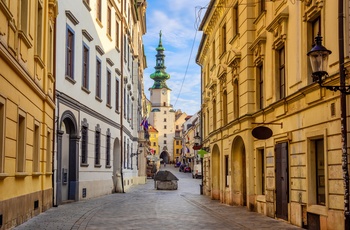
(143, 207)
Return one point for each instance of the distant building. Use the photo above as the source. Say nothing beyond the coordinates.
(27, 105)
(162, 115)
(180, 118)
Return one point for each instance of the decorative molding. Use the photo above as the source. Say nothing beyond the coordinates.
(278, 27)
(87, 35)
(258, 48)
(100, 50)
(109, 61)
(71, 17)
(312, 9)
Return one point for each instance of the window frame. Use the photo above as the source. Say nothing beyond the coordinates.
(70, 50)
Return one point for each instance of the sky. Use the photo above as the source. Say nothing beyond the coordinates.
(179, 21)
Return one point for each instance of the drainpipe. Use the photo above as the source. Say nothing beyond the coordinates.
(54, 115)
(343, 114)
(122, 97)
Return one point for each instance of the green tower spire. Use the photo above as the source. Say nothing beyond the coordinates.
(160, 76)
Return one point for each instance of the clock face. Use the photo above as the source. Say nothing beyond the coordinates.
(163, 91)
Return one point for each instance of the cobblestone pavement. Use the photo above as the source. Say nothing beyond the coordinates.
(143, 207)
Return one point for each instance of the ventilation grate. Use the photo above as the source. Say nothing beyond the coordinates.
(36, 204)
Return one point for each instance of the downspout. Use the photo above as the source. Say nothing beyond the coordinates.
(343, 114)
(122, 97)
(54, 113)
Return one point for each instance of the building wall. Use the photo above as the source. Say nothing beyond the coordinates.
(112, 41)
(26, 109)
(241, 169)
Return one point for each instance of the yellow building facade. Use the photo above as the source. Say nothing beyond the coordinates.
(255, 72)
(27, 85)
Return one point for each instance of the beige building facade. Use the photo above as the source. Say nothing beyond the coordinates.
(27, 85)
(256, 73)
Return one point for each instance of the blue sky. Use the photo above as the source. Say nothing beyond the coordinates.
(178, 21)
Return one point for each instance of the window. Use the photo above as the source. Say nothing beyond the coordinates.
(24, 16)
(177, 126)
(164, 111)
(117, 34)
(164, 134)
(85, 60)
(50, 55)
(281, 74)
(260, 171)
(84, 142)
(128, 155)
(235, 17)
(317, 161)
(213, 52)
(226, 171)
(261, 7)
(109, 21)
(236, 99)
(36, 148)
(164, 142)
(124, 103)
(69, 53)
(98, 10)
(98, 78)
(164, 126)
(223, 39)
(39, 29)
(154, 144)
(21, 142)
(97, 146)
(224, 107)
(124, 154)
(260, 88)
(48, 152)
(108, 150)
(109, 87)
(214, 115)
(164, 119)
(116, 94)
(2, 134)
(177, 142)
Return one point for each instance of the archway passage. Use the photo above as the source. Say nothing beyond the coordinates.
(165, 156)
(215, 193)
(67, 159)
(238, 172)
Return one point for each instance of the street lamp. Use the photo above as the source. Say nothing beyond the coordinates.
(319, 63)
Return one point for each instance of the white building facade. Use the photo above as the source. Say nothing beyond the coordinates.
(97, 97)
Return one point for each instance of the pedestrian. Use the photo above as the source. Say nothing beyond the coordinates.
(164, 164)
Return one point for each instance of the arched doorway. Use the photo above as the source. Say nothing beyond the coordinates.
(165, 156)
(215, 191)
(67, 159)
(117, 173)
(238, 172)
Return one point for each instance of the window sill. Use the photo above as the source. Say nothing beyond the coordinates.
(3, 176)
(98, 166)
(317, 209)
(98, 98)
(36, 174)
(84, 165)
(21, 174)
(85, 90)
(71, 80)
(108, 166)
(109, 106)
